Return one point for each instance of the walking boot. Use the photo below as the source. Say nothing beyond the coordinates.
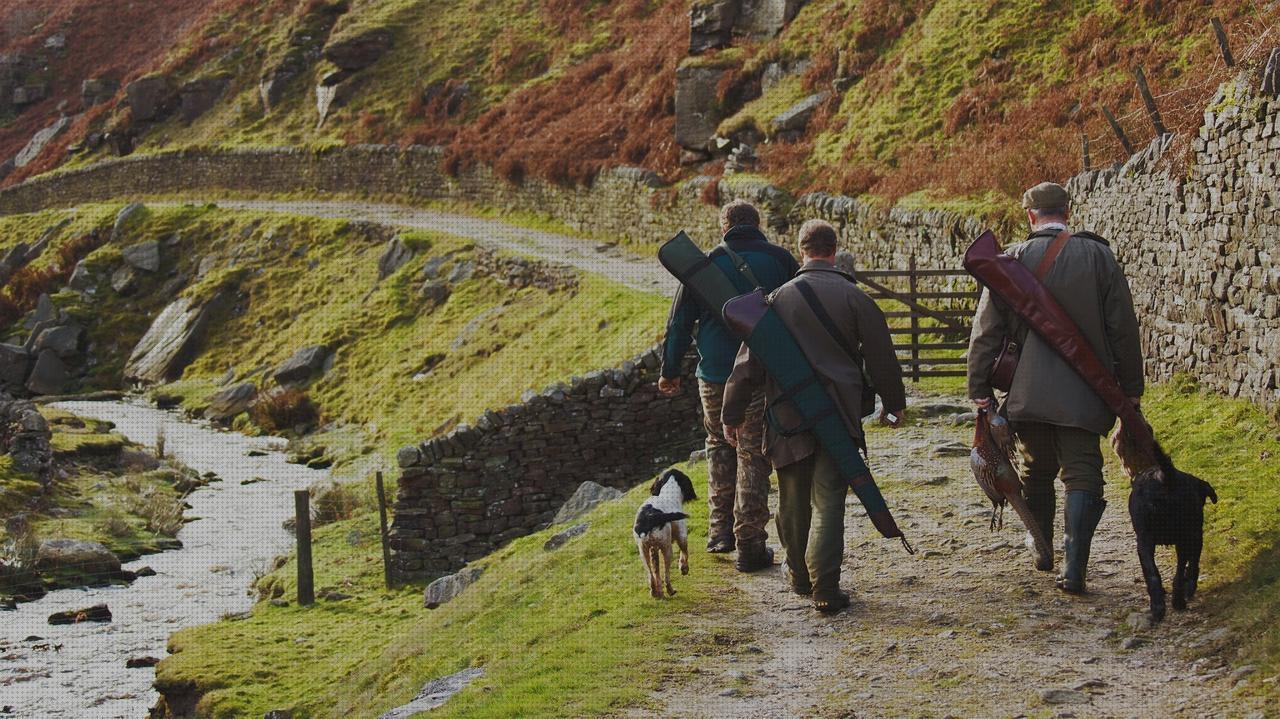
(721, 545)
(1083, 511)
(753, 558)
(1042, 506)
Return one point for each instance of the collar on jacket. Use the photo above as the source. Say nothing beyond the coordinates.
(744, 234)
(823, 266)
(1051, 232)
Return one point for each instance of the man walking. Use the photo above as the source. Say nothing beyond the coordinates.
(844, 336)
(1058, 419)
(738, 482)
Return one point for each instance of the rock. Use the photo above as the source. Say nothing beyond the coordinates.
(964, 418)
(231, 401)
(332, 595)
(56, 42)
(435, 693)
(1139, 621)
(358, 51)
(96, 613)
(950, 449)
(462, 271)
(333, 91)
(151, 97)
(88, 558)
(97, 90)
(796, 117)
(81, 279)
(171, 341)
(131, 211)
(448, 587)
(15, 364)
(144, 256)
(765, 18)
(408, 456)
(1242, 672)
(45, 311)
(63, 341)
(711, 24)
(124, 280)
(697, 107)
(561, 538)
(1131, 643)
(144, 572)
(279, 713)
(584, 499)
(138, 460)
(393, 258)
(731, 692)
(301, 365)
(435, 292)
(140, 662)
(38, 141)
(1063, 696)
(198, 96)
(49, 376)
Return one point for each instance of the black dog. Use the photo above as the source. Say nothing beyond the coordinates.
(1167, 507)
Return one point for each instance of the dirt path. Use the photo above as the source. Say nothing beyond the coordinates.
(642, 273)
(965, 628)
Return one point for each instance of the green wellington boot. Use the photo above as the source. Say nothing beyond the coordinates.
(1083, 511)
(1042, 506)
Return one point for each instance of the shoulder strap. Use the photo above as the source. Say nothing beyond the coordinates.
(827, 323)
(741, 264)
(1051, 254)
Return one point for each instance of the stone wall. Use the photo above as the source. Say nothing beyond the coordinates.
(466, 493)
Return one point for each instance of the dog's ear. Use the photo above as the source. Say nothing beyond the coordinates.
(686, 485)
(656, 488)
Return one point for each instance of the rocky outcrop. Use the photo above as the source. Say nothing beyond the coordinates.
(231, 401)
(711, 24)
(49, 375)
(765, 18)
(434, 694)
(25, 437)
(697, 107)
(172, 340)
(301, 366)
(359, 50)
(143, 256)
(306, 41)
(588, 495)
(334, 90)
(198, 96)
(393, 258)
(792, 121)
(151, 98)
(39, 140)
(447, 587)
(97, 90)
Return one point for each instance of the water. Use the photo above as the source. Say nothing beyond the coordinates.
(238, 533)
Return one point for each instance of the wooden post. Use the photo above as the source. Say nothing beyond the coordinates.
(1119, 131)
(915, 324)
(382, 519)
(306, 578)
(1222, 42)
(1084, 150)
(1152, 111)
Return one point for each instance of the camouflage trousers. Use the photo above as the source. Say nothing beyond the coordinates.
(738, 479)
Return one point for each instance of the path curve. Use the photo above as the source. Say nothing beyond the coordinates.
(610, 261)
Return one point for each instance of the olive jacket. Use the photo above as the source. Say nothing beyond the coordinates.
(1090, 285)
(864, 327)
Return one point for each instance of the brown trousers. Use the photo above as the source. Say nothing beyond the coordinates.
(738, 479)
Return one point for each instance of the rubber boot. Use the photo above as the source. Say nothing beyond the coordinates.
(754, 558)
(1042, 505)
(1083, 511)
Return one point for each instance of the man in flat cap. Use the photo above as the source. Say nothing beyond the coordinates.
(1058, 419)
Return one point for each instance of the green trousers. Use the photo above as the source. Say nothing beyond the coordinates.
(1048, 450)
(810, 520)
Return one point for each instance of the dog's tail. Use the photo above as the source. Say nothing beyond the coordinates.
(651, 518)
(1206, 492)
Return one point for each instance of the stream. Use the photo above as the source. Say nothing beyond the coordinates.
(79, 670)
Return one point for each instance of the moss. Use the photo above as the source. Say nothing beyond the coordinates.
(759, 113)
(560, 634)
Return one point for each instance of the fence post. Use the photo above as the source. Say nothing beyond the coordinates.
(1152, 111)
(306, 578)
(382, 519)
(915, 323)
(1222, 42)
(1084, 150)
(1119, 131)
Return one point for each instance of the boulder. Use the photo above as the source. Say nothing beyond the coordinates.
(198, 96)
(333, 91)
(49, 376)
(78, 555)
(796, 118)
(97, 90)
(584, 499)
(435, 693)
(301, 365)
(171, 341)
(38, 141)
(64, 340)
(358, 51)
(124, 280)
(151, 97)
(144, 256)
(435, 292)
(15, 364)
(126, 214)
(561, 538)
(448, 587)
(394, 257)
(765, 18)
(96, 613)
(274, 85)
(711, 24)
(697, 107)
(231, 401)
(140, 662)
(45, 311)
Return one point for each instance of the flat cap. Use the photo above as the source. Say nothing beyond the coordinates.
(1046, 196)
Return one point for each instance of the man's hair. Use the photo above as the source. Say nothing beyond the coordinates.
(739, 212)
(817, 238)
(1059, 213)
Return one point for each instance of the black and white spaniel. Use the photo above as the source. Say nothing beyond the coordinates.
(659, 522)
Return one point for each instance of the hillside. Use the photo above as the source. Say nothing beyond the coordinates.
(942, 101)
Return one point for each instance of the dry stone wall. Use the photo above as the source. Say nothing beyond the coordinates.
(466, 493)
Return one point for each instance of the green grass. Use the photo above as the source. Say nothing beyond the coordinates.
(560, 634)
(1234, 446)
